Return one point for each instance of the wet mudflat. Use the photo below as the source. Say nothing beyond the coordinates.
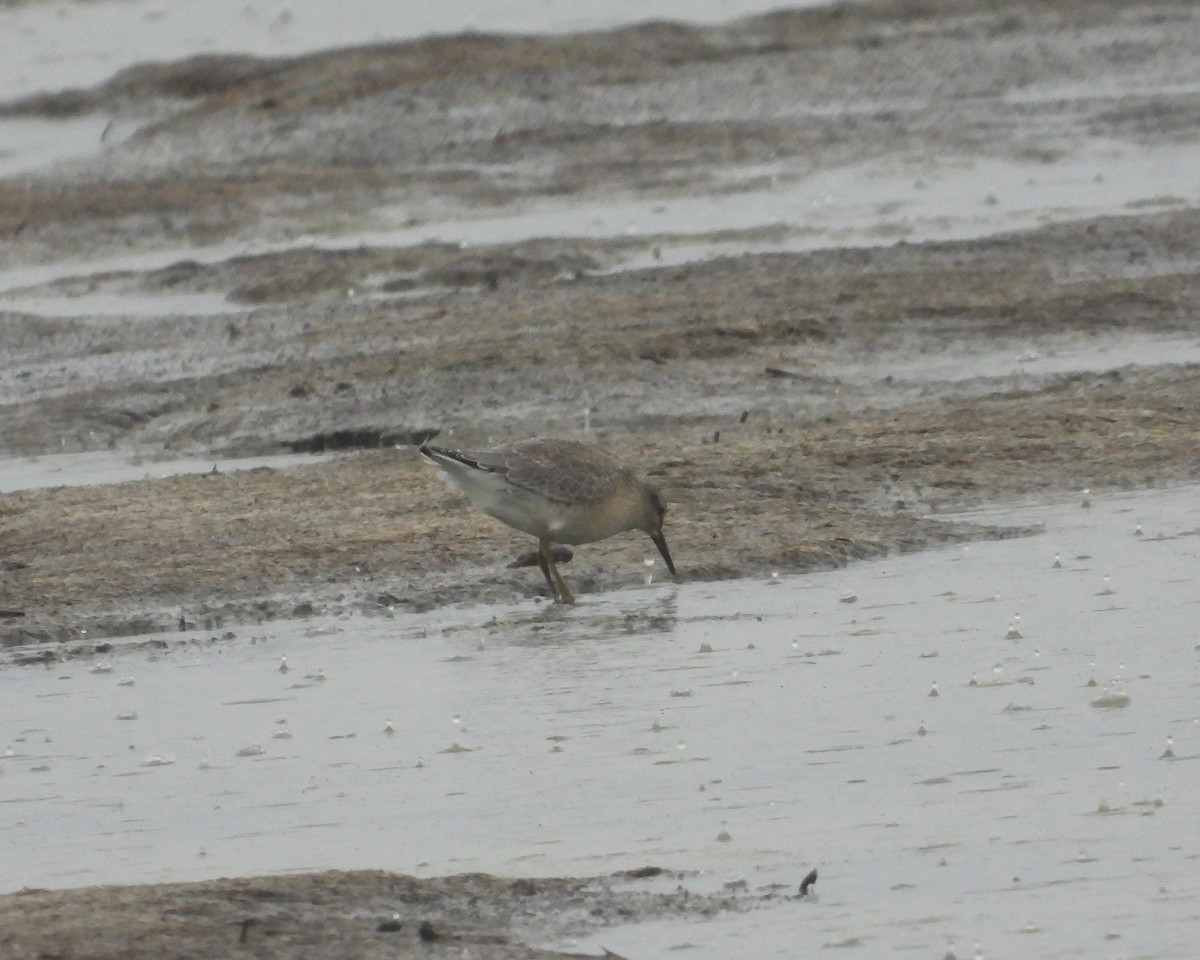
(968, 744)
(828, 277)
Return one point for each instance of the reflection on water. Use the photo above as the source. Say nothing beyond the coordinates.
(637, 612)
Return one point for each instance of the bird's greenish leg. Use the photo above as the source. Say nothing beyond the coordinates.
(558, 586)
(545, 567)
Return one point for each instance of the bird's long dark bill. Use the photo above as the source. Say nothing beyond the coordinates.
(661, 542)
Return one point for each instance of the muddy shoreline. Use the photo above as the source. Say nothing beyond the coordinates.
(793, 446)
(800, 409)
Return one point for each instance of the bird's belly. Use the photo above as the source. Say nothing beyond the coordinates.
(548, 520)
(536, 515)
(574, 528)
(518, 512)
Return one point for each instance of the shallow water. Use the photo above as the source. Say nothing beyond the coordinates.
(865, 205)
(1031, 357)
(140, 306)
(1022, 808)
(123, 466)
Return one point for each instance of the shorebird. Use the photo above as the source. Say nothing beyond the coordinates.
(560, 491)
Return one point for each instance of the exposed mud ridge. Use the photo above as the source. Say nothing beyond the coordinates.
(349, 914)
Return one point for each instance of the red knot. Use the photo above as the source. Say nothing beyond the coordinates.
(560, 491)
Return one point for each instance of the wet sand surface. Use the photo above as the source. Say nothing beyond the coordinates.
(827, 277)
(976, 744)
